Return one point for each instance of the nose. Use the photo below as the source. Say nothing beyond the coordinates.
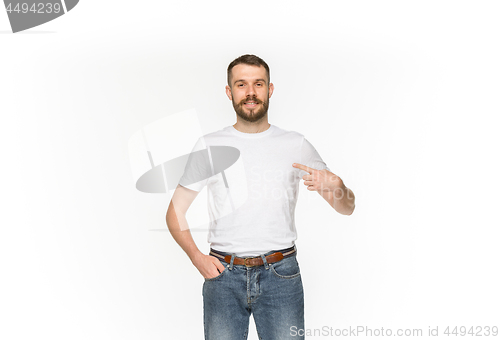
(250, 91)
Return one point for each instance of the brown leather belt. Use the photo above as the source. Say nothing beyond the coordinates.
(255, 261)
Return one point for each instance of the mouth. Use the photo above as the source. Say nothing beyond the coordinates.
(251, 103)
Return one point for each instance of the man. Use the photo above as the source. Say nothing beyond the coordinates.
(252, 266)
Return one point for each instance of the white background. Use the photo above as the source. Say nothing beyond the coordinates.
(399, 98)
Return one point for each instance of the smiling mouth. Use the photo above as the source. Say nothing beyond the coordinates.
(251, 102)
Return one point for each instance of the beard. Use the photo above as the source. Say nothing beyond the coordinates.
(254, 114)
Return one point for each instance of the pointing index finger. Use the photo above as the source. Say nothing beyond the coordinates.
(303, 167)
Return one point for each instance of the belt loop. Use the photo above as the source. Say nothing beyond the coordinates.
(266, 265)
(232, 260)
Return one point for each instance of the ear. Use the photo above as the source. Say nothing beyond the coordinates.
(271, 89)
(228, 92)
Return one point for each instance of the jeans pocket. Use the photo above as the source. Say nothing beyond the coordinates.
(286, 269)
(218, 276)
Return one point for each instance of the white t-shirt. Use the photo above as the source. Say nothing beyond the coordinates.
(252, 203)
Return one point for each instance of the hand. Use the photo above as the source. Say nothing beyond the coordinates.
(321, 180)
(209, 266)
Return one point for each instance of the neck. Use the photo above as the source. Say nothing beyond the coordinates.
(249, 127)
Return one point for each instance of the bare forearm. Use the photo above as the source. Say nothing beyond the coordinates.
(177, 224)
(342, 200)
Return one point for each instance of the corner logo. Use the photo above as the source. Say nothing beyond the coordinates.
(26, 14)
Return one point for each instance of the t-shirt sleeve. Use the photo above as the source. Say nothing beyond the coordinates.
(311, 158)
(198, 169)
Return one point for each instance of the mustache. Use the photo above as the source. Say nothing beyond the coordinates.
(254, 99)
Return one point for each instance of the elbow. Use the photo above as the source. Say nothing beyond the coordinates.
(345, 211)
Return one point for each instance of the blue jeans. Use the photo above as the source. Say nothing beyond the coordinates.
(272, 292)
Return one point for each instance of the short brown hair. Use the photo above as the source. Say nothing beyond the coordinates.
(248, 59)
